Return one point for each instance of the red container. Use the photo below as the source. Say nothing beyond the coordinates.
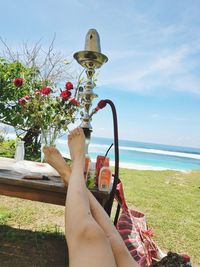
(101, 161)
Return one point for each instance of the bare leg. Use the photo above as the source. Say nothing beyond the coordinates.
(120, 251)
(87, 243)
(121, 254)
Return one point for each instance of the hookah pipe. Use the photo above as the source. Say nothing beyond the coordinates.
(91, 59)
(101, 105)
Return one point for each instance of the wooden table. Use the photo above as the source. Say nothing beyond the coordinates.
(52, 191)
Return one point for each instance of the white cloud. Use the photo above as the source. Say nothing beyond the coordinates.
(172, 68)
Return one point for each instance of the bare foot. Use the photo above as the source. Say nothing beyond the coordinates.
(76, 143)
(55, 159)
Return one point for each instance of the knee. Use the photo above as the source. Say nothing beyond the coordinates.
(87, 230)
(90, 231)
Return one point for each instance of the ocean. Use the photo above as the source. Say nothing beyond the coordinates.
(140, 155)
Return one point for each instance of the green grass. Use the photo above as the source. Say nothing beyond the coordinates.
(31, 215)
(5, 215)
(169, 199)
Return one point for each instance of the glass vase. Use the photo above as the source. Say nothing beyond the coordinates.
(48, 138)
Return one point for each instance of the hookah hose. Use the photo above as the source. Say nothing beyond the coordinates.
(102, 104)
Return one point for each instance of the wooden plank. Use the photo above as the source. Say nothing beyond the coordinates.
(51, 197)
(13, 178)
(33, 194)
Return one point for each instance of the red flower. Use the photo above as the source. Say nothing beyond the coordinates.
(27, 97)
(22, 101)
(65, 94)
(75, 102)
(45, 90)
(18, 82)
(69, 86)
(37, 92)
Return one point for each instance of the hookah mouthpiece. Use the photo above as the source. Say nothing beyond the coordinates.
(101, 104)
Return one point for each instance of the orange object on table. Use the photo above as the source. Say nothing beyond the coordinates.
(104, 180)
(101, 161)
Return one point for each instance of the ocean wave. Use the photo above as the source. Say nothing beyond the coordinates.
(153, 151)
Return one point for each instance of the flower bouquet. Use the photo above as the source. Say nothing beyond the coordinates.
(49, 110)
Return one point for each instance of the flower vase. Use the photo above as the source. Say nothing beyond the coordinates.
(48, 138)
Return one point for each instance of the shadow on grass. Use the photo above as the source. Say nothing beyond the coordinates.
(22, 248)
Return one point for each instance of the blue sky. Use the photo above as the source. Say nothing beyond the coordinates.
(153, 46)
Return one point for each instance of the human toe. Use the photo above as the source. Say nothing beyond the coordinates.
(46, 150)
(69, 137)
(74, 132)
(77, 131)
(52, 149)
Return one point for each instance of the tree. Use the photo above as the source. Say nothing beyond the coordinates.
(21, 75)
